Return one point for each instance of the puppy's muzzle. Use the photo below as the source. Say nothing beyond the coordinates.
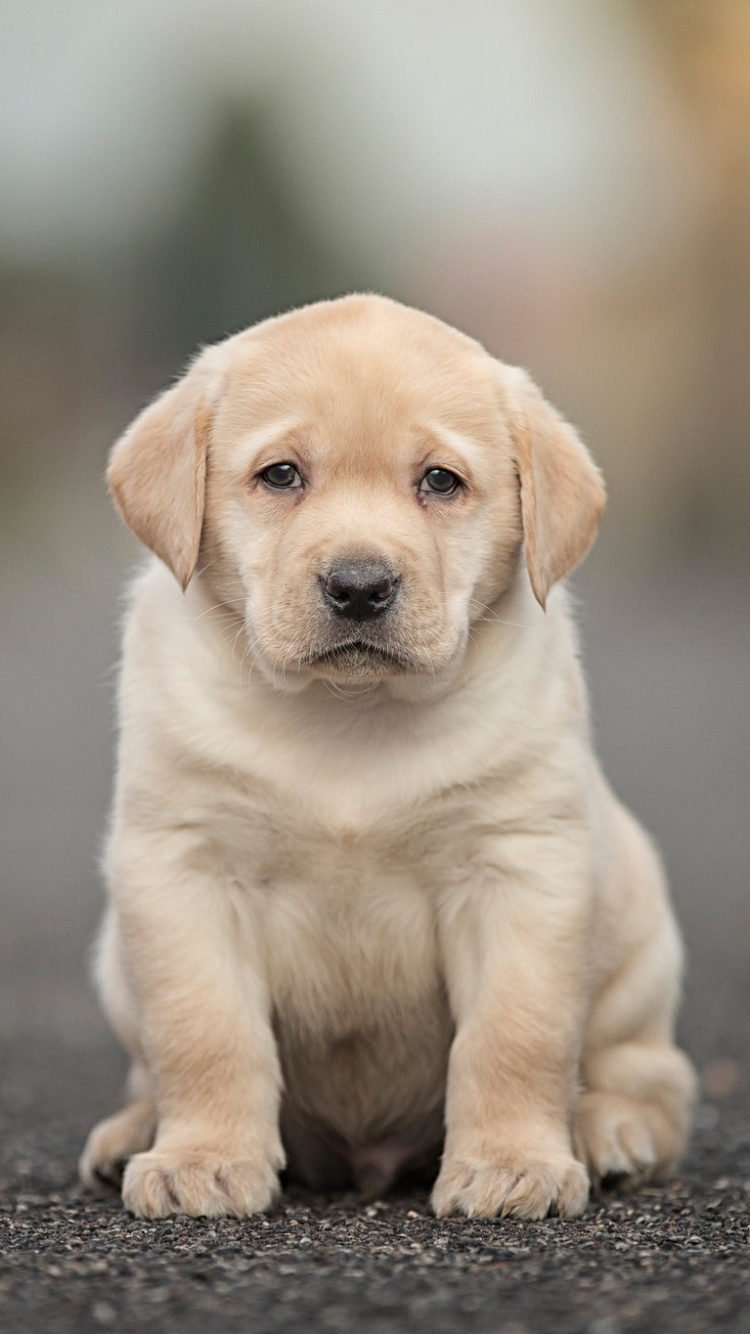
(360, 590)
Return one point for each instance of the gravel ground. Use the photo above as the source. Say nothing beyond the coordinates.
(676, 1257)
(668, 662)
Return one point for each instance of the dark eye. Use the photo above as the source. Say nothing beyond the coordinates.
(282, 477)
(439, 482)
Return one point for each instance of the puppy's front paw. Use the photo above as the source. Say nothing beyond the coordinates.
(204, 1183)
(511, 1186)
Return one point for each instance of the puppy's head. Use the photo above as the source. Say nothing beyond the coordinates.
(356, 480)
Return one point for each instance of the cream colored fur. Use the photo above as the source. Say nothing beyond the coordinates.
(368, 907)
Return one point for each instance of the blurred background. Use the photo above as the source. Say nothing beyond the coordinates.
(570, 183)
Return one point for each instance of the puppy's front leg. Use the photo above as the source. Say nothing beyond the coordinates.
(514, 947)
(204, 1019)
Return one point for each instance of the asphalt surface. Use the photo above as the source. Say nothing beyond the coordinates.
(668, 660)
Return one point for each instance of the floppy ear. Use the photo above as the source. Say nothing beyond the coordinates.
(157, 471)
(562, 492)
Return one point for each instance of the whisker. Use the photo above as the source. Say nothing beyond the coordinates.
(229, 603)
(491, 615)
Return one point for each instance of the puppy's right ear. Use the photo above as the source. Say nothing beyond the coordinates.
(157, 469)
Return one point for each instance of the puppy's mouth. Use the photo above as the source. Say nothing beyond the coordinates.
(358, 658)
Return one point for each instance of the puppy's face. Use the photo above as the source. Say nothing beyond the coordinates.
(358, 479)
(362, 498)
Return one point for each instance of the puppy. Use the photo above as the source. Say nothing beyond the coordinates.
(372, 901)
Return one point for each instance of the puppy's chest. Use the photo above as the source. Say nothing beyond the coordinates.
(350, 931)
(349, 957)
(348, 920)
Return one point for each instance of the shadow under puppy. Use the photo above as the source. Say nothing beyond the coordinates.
(371, 896)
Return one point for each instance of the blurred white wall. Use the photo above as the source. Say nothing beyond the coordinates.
(398, 120)
(527, 169)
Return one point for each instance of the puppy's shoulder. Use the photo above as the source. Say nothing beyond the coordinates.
(165, 655)
(525, 658)
(164, 626)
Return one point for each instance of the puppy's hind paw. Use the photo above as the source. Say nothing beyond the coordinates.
(625, 1141)
(113, 1141)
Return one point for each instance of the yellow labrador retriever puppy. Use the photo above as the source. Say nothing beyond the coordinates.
(372, 899)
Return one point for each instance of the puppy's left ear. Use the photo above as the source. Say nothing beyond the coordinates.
(157, 469)
(562, 492)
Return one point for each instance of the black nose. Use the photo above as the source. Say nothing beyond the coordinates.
(360, 590)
